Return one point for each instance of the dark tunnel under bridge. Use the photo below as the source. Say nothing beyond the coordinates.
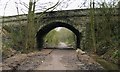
(46, 29)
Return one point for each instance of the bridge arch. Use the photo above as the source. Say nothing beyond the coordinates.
(48, 27)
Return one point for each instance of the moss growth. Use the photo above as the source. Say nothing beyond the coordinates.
(111, 55)
(107, 65)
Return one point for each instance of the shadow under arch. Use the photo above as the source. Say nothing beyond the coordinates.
(44, 30)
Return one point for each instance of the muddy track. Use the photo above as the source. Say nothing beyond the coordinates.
(33, 61)
(68, 60)
(13, 63)
(51, 59)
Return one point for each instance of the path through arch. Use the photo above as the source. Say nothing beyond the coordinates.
(44, 30)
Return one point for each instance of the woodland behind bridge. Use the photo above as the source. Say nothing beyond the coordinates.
(102, 34)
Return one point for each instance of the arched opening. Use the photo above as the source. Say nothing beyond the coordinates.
(44, 30)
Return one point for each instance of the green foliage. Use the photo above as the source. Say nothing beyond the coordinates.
(51, 38)
(116, 54)
(17, 39)
(54, 37)
(106, 28)
(66, 36)
(107, 33)
(106, 64)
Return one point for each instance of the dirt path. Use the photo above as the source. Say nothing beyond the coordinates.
(54, 61)
(48, 59)
(64, 60)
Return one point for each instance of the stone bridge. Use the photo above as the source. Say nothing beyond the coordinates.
(74, 20)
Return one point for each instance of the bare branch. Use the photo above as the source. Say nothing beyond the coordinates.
(4, 11)
(83, 4)
(52, 7)
(17, 7)
(5, 7)
(24, 4)
(22, 11)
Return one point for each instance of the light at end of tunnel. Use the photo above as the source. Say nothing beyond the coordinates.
(58, 28)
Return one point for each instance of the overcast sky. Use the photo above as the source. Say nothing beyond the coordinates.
(41, 5)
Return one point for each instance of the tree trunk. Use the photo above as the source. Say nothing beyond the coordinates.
(30, 28)
(92, 25)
